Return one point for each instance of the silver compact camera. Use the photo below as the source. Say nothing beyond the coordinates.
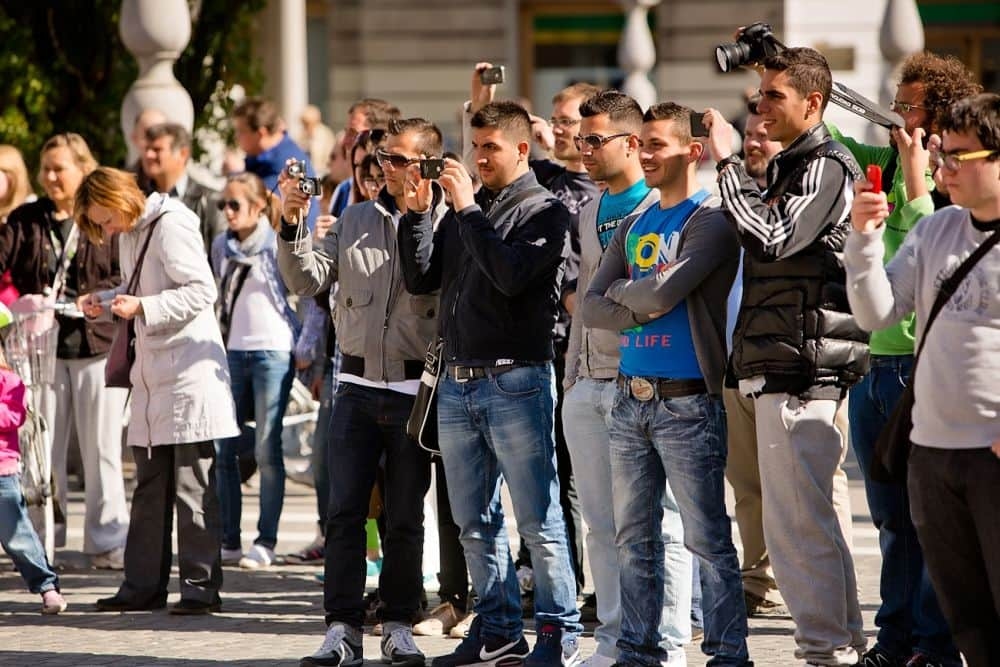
(308, 185)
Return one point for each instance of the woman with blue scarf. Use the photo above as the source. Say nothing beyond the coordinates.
(259, 329)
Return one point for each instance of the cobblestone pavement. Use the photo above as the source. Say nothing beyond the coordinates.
(273, 617)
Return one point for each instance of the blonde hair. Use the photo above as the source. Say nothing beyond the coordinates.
(12, 164)
(78, 148)
(110, 188)
(257, 193)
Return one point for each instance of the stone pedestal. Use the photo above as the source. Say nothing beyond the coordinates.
(901, 35)
(637, 52)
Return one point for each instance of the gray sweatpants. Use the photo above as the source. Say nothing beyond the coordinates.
(169, 476)
(801, 445)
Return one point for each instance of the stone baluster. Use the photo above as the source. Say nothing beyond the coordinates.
(637, 52)
(901, 35)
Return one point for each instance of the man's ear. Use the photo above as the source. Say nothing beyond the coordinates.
(523, 150)
(185, 153)
(814, 103)
(695, 150)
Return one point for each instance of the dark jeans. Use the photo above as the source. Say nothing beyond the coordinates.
(909, 618)
(454, 574)
(369, 422)
(954, 496)
(321, 445)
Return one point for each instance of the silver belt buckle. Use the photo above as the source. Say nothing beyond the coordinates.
(641, 388)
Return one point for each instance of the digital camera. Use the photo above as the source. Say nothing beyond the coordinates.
(308, 185)
(754, 44)
(431, 168)
(492, 75)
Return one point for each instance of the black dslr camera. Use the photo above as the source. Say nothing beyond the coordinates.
(754, 44)
(312, 187)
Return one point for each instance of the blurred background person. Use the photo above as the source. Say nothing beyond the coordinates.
(144, 120)
(51, 261)
(15, 189)
(316, 138)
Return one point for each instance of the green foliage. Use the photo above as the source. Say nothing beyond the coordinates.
(64, 69)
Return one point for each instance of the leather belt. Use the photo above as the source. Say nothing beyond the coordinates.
(466, 373)
(412, 368)
(645, 389)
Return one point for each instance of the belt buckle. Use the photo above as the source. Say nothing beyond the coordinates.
(457, 374)
(641, 389)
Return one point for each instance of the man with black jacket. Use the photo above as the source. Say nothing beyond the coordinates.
(796, 348)
(498, 259)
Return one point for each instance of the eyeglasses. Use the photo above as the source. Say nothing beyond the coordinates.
(373, 136)
(905, 107)
(374, 183)
(596, 141)
(563, 123)
(233, 204)
(395, 160)
(953, 161)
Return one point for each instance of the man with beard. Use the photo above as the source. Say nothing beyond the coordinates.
(909, 619)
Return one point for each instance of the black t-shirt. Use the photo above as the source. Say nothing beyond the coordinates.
(72, 342)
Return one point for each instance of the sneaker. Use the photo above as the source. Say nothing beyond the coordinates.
(758, 606)
(678, 658)
(195, 607)
(924, 660)
(337, 650)
(439, 621)
(399, 649)
(118, 603)
(309, 555)
(258, 557)
(53, 602)
(484, 651)
(588, 610)
(231, 556)
(112, 559)
(598, 660)
(461, 629)
(877, 656)
(526, 579)
(554, 647)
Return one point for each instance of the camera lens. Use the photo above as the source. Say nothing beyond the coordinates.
(731, 56)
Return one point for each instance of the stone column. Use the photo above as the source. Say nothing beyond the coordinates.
(155, 32)
(901, 35)
(637, 51)
(281, 45)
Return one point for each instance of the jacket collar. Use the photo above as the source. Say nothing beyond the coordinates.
(488, 198)
(790, 158)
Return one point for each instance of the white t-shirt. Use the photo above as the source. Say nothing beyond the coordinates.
(255, 323)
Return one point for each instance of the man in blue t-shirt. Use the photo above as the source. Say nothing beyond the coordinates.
(669, 273)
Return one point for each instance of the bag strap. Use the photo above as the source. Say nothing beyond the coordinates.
(950, 285)
(65, 258)
(133, 282)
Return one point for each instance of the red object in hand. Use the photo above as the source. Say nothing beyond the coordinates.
(874, 175)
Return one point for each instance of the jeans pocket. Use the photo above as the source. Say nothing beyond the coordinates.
(518, 383)
(686, 408)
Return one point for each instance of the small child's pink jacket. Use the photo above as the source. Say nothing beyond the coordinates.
(12, 415)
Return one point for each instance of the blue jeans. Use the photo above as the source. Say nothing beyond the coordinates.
(19, 539)
(261, 381)
(502, 427)
(909, 618)
(680, 441)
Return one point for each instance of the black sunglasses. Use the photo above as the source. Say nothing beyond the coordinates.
(373, 136)
(397, 161)
(595, 141)
(233, 204)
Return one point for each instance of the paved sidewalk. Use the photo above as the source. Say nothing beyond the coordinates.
(273, 617)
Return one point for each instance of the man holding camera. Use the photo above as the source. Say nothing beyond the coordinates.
(797, 349)
(383, 332)
(498, 259)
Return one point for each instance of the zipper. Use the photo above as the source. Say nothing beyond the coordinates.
(393, 290)
(142, 375)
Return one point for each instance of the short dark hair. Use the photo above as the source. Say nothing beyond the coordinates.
(621, 109)
(509, 117)
(978, 115)
(681, 116)
(378, 113)
(945, 80)
(259, 112)
(179, 136)
(429, 139)
(807, 71)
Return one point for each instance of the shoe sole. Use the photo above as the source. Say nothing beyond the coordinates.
(201, 611)
(503, 661)
(412, 661)
(310, 661)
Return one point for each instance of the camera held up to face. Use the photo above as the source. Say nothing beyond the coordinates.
(307, 185)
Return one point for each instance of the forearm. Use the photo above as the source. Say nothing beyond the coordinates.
(305, 270)
(875, 301)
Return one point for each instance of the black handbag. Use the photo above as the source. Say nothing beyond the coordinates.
(422, 424)
(892, 448)
(121, 354)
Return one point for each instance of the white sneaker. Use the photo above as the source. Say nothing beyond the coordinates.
(398, 647)
(676, 658)
(570, 649)
(231, 556)
(112, 559)
(337, 650)
(258, 557)
(598, 660)
(525, 579)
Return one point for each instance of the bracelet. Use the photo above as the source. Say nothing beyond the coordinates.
(726, 161)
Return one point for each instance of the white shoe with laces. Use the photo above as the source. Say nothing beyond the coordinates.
(398, 647)
(598, 660)
(258, 557)
(338, 649)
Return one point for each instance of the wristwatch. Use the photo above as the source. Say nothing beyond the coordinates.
(726, 161)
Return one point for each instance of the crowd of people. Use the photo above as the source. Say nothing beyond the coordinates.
(618, 337)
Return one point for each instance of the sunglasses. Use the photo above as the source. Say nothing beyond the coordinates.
(374, 136)
(595, 141)
(954, 161)
(232, 204)
(395, 160)
(905, 107)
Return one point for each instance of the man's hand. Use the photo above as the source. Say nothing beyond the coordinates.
(914, 160)
(481, 94)
(323, 224)
(90, 305)
(419, 192)
(569, 302)
(995, 448)
(294, 202)
(458, 184)
(869, 210)
(934, 146)
(126, 306)
(720, 135)
(541, 131)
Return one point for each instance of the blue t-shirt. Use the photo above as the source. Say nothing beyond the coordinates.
(663, 348)
(268, 166)
(615, 208)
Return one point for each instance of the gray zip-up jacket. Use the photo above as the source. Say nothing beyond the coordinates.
(374, 316)
(703, 274)
(593, 353)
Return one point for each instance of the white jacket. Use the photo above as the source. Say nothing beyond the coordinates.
(180, 379)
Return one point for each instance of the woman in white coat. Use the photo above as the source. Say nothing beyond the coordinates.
(181, 400)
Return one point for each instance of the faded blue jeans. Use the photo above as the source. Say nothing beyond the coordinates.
(19, 540)
(680, 441)
(261, 381)
(502, 427)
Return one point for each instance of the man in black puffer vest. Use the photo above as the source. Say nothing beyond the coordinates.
(796, 348)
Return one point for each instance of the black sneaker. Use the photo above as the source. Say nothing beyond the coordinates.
(483, 650)
(554, 648)
(118, 603)
(337, 650)
(195, 607)
(398, 647)
(876, 656)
